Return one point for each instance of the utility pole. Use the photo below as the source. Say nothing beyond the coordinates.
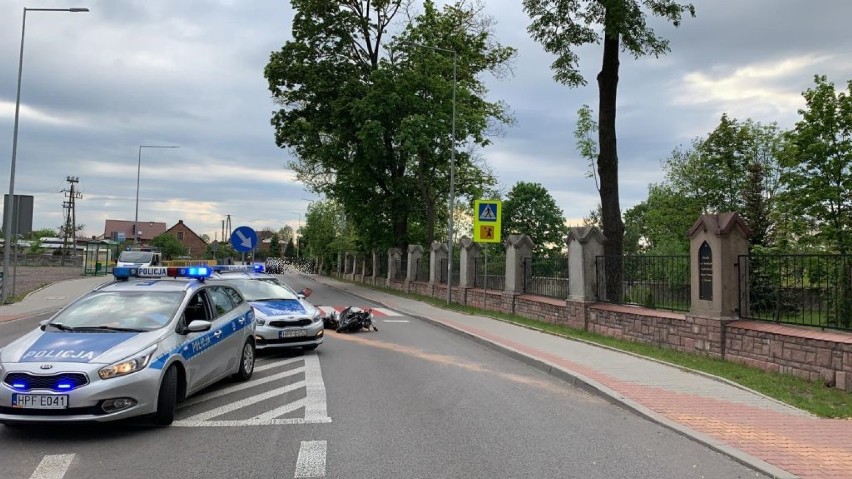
(70, 226)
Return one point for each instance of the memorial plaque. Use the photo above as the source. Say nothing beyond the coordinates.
(705, 272)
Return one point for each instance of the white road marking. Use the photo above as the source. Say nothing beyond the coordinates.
(276, 363)
(395, 321)
(239, 387)
(53, 467)
(376, 311)
(311, 461)
(250, 422)
(221, 410)
(280, 411)
(315, 403)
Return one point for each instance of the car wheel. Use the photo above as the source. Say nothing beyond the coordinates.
(310, 348)
(246, 362)
(167, 399)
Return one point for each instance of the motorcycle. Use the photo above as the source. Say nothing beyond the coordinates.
(353, 319)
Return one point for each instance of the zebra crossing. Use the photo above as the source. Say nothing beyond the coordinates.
(297, 396)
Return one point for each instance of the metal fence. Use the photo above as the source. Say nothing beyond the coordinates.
(442, 276)
(401, 272)
(421, 272)
(546, 277)
(383, 266)
(494, 278)
(806, 289)
(658, 282)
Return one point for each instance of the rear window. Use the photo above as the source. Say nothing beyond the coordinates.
(135, 256)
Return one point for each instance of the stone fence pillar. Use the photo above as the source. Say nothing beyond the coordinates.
(415, 253)
(468, 254)
(394, 261)
(585, 243)
(376, 263)
(518, 248)
(437, 254)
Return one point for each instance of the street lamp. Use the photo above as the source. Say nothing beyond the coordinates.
(452, 169)
(138, 171)
(8, 208)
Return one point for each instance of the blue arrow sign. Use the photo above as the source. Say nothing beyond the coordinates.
(243, 239)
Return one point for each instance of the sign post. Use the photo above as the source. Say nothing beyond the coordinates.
(486, 229)
(243, 239)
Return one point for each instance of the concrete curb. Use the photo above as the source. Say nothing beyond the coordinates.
(594, 387)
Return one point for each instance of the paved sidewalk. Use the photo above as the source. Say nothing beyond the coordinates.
(772, 437)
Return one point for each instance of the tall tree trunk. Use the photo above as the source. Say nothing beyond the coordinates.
(613, 226)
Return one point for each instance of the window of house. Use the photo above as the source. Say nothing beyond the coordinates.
(180, 235)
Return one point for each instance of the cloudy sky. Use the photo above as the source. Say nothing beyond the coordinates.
(98, 85)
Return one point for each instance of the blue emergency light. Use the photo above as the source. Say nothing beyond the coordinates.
(194, 272)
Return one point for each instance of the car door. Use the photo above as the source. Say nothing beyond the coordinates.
(228, 332)
(197, 346)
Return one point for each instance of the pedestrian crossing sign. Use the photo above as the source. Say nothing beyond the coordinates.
(486, 221)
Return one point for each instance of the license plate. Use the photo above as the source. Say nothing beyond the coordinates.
(292, 333)
(40, 401)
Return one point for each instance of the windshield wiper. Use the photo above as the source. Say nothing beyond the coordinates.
(107, 328)
(60, 326)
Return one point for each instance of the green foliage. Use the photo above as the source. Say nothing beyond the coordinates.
(42, 233)
(169, 246)
(530, 209)
(290, 249)
(373, 131)
(274, 246)
(659, 224)
(817, 174)
(587, 146)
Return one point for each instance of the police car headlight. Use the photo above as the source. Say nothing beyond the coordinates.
(127, 366)
(317, 316)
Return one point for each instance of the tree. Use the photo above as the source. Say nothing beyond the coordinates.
(42, 233)
(817, 161)
(530, 209)
(206, 238)
(563, 25)
(290, 249)
(169, 245)
(274, 246)
(372, 131)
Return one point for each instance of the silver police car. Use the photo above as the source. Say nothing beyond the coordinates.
(285, 319)
(132, 347)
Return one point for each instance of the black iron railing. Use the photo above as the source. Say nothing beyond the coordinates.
(658, 282)
(421, 273)
(494, 278)
(442, 273)
(806, 289)
(383, 265)
(400, 269)
(546, 277)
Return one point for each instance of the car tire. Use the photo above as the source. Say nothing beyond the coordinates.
(246, 362)
(310, 348)
(167, 398)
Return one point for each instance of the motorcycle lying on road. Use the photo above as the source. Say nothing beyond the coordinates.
(350, 320)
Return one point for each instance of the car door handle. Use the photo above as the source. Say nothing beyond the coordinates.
(242, 320)
(217, 334)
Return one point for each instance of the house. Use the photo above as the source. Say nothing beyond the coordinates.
(121, 230)
(195, 245)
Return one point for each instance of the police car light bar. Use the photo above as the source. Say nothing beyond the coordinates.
(256, 267)
(196, 272)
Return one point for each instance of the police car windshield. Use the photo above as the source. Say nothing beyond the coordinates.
(133, 310)
(135, 256)
(256, 290)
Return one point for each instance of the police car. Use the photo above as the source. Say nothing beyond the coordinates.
(285, 319)
(132, 347)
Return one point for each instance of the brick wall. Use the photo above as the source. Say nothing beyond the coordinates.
(811, 354)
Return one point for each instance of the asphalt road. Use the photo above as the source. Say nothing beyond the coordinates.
(409, 401)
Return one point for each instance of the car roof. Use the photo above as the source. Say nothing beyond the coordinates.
(153, 284)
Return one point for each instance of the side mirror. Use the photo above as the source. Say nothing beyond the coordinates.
(305, 293)
(43, 324)
(198, 326)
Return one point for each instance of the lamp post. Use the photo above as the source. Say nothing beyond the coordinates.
(9, 207)
(452, 169)
(138, 171)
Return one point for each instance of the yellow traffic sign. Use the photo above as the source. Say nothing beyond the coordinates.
(486, 221)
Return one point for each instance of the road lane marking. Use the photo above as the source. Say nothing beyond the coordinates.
(276, 363)
(221, 410)
(315, 400)
(53, 467)
(376, 311)
(239, 387)
(311, 460)
(275, 413)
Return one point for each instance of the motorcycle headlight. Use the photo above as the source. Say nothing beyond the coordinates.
(128, 366)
